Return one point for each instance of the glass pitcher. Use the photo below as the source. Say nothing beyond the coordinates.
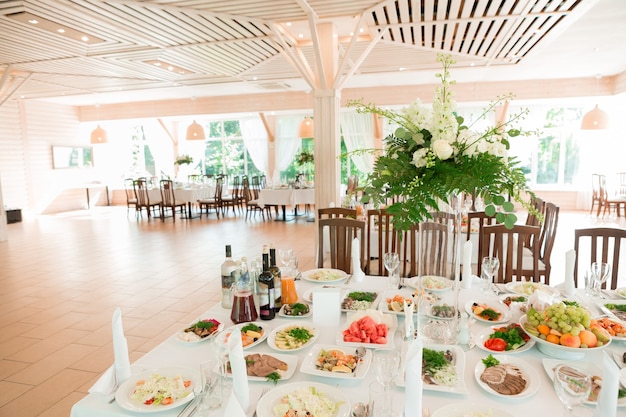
(244, 308)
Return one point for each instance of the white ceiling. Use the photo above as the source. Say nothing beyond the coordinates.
(247, 46)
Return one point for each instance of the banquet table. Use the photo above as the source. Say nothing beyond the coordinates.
(286, 197)
(172, 352)
(189, 195)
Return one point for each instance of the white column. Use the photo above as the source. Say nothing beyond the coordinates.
(327, 148)
(3, 218)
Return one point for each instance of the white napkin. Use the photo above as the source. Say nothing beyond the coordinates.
(607, 399)
(357, 273)
(233, 408)
(568, 284)
(106, 384)
(241, 390)
(120, 349)
(414, 383)
(409, 328)
(467, 265)
(326, 306)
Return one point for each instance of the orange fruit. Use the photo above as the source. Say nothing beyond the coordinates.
(543, 329)
(570, 340)
(552, 338)
(588, 338)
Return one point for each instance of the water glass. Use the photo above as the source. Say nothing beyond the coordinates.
(392, 265)
(212, 386)
(490, 265)
(599, 272)
(572, 386)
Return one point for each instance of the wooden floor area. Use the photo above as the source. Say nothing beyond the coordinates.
(61, 277)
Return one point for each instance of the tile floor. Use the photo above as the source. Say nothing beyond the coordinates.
(61, 277)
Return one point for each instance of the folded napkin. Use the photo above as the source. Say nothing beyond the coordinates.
(106, 384)
(120, 349)
(233, 408)
(357, 273)
(409, 328)
(607, 398)
(414, 383)
(467, 264)
(568, 284)
(241, 390)
(326, 306)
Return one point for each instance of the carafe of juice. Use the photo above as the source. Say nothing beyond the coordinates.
(244, 308)
(289, 293)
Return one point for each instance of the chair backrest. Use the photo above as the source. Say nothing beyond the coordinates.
(507, 246)
(167, 193)
(141, 192)
(332, 212)
(539, 205)
(481, 219)
(219, 187)
(382, 238)
(604, 246)
(129, 188)
(621, 183)
(255, 186)
(548, 231)
(430, 256)
(341, 232)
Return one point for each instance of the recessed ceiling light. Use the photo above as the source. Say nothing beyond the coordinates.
(84, 38)
(33, 21)
(166, 66)
(288, 23)
(61, 30)
(351, 33)
(401, 69)
(254, 78)
(300, 35)
(361, 30)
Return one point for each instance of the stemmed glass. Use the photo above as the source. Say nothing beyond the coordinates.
(490, 266)
(387, 367)
(600, 272)
(392, 264)
(572, 386)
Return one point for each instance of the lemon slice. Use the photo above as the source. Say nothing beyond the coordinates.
(341, 368)
(396, 306)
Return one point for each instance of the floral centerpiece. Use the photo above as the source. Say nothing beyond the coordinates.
(433, 155)
(304, 158)
(183, 159)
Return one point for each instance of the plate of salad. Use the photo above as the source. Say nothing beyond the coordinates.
(199, 331)
(359, 300)
(442, 369)
(505, 339)
(158, 390)
(321, 400)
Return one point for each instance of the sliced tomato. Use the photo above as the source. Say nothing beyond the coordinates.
(149, 401)
(496, 344)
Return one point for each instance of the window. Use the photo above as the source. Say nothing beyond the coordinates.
(225, 151)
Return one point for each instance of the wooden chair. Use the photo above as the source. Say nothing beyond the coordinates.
(481, 218)
(251, 202)
(600, 195)
(508, 247)
(213, 202)
(231, 199)
(604, 246)
(547, 236)
(341, 232)
(168, 200)
(430, 256)
(332, 212)
(131, 198)
(382, 238)
(143, 198)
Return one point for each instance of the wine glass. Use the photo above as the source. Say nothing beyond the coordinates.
(386, 367)
(285, 256)
(572, 386)
(600, 272)
(392, 264)
(490, 266)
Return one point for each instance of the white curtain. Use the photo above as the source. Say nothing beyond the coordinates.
(358, 133)
(287, 143)
(255, 139)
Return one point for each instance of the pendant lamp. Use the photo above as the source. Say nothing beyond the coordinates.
(195, 132)
(99, 135)
(595, 119)
(306, 129)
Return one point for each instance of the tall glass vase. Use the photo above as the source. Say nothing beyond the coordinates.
(439, 261)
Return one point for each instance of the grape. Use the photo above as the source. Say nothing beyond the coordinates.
(565, 319)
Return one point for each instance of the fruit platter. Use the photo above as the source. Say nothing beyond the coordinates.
(564, 331)
(369, 328)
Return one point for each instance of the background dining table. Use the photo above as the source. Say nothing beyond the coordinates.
(173, 352)
(286, 197)
(188, 194)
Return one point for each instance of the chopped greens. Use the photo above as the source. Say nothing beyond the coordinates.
(362, 296)
(251, 326)
(300, 333)
(273, 377)
(490, 361)
(433, 360)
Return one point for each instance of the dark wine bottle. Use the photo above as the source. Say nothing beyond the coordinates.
(266, 289)
(275, 270)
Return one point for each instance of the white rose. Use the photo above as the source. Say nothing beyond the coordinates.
(442, 149)
(419, 157)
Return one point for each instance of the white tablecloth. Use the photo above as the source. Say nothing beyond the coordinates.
(286, 196)
(186, 195)
(173, 353)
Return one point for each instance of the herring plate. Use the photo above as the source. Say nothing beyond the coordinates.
(191, 338)
(532, 377)
(126, 389)
(505, 314)
(265, 406)
(484, 336)
(281, 313)
(587, 366)
(459, 366)
(310, 360)
(223, 337)
(324, 275)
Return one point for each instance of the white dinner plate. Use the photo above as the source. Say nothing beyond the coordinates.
(192, 338)
(528, 288)
(310, 361)
(615, 315)
(390, 320)
(324, 275)
(290, 360)
(265, 406)
(372, 305)
(484, 336)
(463, 409)
(500, 308)
(587, 366)
(532, 377)
(271, 342)
(431, 283)
(126, 389)
(223, 337)
(621, 292)
(459, 366)
(281, 313)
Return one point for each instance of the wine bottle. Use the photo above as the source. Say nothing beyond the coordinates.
(228, 268)
(275, 270)
(266, 289)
